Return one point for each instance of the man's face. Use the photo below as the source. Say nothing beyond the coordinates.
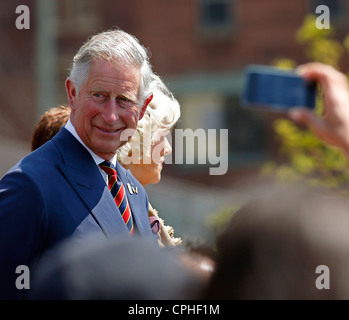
(108, 103)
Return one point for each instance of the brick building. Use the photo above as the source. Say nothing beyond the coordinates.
(199, 47)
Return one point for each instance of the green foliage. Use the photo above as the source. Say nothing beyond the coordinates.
(305, 157)
(284, 63)
(320, 46)
(308, 31)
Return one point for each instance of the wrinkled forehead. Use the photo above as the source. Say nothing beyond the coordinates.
(116, 66)
(115, 72)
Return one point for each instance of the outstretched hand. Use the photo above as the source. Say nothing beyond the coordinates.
(333, 126)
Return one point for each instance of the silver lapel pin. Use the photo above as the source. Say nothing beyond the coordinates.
(130, 189)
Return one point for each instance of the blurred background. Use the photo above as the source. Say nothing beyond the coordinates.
(200, 48)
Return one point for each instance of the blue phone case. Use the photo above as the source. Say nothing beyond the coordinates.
(276, 89)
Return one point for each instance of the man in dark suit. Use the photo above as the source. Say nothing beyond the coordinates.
(60, 190)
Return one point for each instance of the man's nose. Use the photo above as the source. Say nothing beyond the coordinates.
(111, 111)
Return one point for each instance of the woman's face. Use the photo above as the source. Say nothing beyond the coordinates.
(147, 172)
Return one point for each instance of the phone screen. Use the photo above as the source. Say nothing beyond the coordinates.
(277, 89)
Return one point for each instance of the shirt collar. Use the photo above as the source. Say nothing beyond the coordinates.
(97, 159)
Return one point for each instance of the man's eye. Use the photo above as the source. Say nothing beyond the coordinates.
(99, 97)
(124, 102)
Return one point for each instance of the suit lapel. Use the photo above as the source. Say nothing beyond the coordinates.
(138, 206)
(84, 176)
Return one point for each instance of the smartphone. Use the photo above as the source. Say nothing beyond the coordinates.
(276, 89)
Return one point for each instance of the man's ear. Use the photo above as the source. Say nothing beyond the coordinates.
(71, 93)
(144, 107)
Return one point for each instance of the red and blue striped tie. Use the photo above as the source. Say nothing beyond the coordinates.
(117, 190)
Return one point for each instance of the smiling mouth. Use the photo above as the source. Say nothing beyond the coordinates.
(108, 130)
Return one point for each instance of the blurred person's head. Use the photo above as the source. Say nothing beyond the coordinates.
(49, 125)
(200, 259)
(114, 269)
(274, 245)
(144, 154)
(108, 90)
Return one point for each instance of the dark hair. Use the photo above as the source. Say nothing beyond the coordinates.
(49, 125)
(274, 244)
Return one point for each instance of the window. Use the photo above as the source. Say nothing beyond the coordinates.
(216, 17)
(338, 11)
(78, 16)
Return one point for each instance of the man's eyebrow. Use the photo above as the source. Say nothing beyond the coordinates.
(125, 95)
(128, 95)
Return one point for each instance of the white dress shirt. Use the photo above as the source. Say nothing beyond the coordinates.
(97, 159)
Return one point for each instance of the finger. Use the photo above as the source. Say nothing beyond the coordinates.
(305, 117)
(323, 73)
(319, 126)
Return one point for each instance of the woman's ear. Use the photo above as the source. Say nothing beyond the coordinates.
(144, 107)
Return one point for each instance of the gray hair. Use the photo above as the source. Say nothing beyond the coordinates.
(161, 114)
(112, 46)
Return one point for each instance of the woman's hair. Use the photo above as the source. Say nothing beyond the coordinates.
(161, 114)
(114, 46)
(49, 125)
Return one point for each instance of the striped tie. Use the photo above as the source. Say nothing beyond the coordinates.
(117, 190)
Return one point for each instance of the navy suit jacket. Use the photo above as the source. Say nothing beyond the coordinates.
(56, 192)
